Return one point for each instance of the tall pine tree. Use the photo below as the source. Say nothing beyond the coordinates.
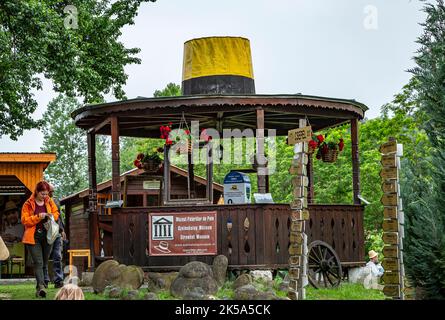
(68, 172)
(425, 223)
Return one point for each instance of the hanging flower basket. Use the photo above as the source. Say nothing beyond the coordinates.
(330, 155)
(151, 166)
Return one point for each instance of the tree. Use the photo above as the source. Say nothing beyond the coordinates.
(425, 226)
(68, 172)
(73, 43)
(130, 147)
(171, 90)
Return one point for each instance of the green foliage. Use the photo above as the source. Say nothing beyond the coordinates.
(131, 147)
(68, 173)
(425, 212)
(171, 90)
(82, 54)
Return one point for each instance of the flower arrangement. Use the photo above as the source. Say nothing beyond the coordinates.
(325, 150)
(149, 161)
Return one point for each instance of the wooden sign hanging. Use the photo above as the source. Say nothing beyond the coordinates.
(391, 277)
(390, 186)
(389, 199)
(390, 225)
(390, 264)
(390, 212)
(299, 135)
(388, 173)
(389, 160)
(391, 238)
(388, 147)
(391, 251)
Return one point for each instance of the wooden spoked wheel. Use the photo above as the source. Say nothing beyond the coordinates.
(324, 268)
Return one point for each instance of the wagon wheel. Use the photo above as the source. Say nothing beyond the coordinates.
(324, 268)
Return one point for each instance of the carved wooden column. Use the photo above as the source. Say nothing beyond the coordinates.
(261, 168)
(92, 196)
(115, 160)
(355, 161)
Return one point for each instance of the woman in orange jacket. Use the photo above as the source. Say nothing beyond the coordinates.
(35, 212)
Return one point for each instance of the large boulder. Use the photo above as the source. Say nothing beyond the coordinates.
(111, 272)
(219, 267)
(194, 276)
(160, 281)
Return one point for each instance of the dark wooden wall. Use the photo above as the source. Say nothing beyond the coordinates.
(263, 244)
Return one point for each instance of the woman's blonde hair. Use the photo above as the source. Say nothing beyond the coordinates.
(70, 292)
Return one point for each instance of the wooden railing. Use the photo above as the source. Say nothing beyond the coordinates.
(262, 244)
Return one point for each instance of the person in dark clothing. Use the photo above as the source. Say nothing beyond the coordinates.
(56, 253)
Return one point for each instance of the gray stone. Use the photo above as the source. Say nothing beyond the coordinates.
(250, 292)
(261, 275)
(195, 269)
(283, 286)
(131, 277)
(105, 274)
(87, 279)
(246, 292)
(219, 267)
(131, 295)
(111, 272)
(151, 296)
(242, 280)
(160, 281)
(115, 292)
(194, 275)
(194, 294)
(181, 285)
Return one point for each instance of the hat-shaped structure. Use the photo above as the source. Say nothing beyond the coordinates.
(217, 65)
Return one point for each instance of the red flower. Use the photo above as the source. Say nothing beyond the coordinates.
(320, 138)
(168, 141)
(137, 163)
(140, 156)
(341, 145)
(187, 131)
(170, 123)
(312, 144)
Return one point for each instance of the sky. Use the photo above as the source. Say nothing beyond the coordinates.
(351, 49)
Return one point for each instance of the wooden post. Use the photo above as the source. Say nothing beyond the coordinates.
(261, 168)
(191, 176)
(209, 189)
(310, 175)
(92, 198)
(115, 162)
(166, 193)
(355, 161)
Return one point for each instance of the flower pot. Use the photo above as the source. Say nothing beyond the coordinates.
(330, 156)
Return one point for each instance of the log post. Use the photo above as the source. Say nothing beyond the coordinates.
(92, 196)
(261, 167)
(355, 161)
(115, 160)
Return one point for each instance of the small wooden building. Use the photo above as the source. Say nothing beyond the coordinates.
(19, 174)
(139, 190)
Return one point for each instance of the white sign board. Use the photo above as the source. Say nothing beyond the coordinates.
(237, 188)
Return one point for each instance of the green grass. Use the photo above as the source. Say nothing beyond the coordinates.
(28, 292)
(346, 291)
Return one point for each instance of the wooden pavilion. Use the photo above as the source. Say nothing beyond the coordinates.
(226, 101)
